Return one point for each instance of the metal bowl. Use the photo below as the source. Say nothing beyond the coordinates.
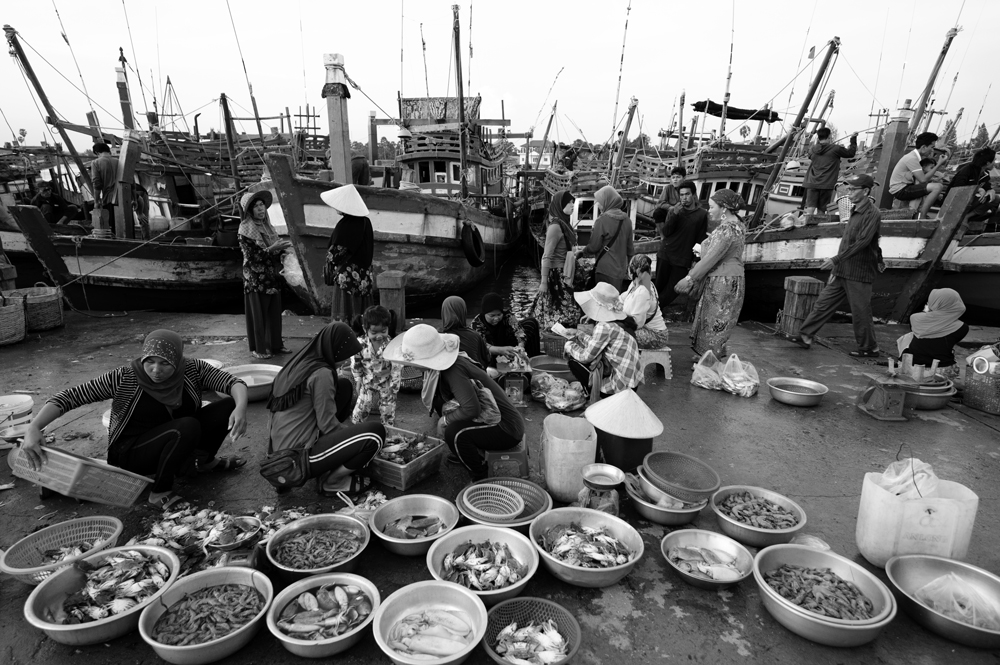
(660, 515)
(796, 392)
(909, 572)
(431, 594)
(884, 605)
(219, 648)
(412, 504)
(928, 401)
(654, 492)
(519, 546)
(602, 477)
(288, 575)
(712, 540)
(259, 377)
(557, 367)
(751, 535)
(253, 530)
(578, 575)
(332, 645)
(55, 588)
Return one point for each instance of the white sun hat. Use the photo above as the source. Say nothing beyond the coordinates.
(346, 200)
(423, 346)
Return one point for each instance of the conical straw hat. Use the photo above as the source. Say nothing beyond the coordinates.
(346, 200)
(625, 415)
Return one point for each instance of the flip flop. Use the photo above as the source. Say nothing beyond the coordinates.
(261, 356)
(865, 353)
(223, 465)
(166, 501)
(358, 483)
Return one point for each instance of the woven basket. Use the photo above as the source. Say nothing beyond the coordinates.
(12, 321)
(525, 611)
(553, 344)
(682, 476)
(43, 304)
(536, 500)
(24, 561)
(493, 501)
(81, 477)
(412, 379)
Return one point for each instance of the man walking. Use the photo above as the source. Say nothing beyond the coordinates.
(853, 271)
(909, 181)
(824, 169)
(680, 227)
(104, 174)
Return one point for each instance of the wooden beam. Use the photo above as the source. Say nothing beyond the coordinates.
(419, 122)
(953, 213)
(127, 159)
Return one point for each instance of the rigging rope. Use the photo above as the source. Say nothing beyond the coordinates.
(302, 53)
(66, 39)
(805, 41)
(134, 58)
(857, 76)
(240, 49)
(56, 70)
(12, 132)
(906, 52)
(878, 71)
(31, 92)
(546, 100)
(621, 66)
(470, 47)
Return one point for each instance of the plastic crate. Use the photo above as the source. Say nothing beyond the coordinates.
(553, 344)
(982, 391)
(81, 477)
(405, 476)
(25, 560)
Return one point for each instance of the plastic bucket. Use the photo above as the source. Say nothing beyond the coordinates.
(568, 445)
(15, 410)
(623, 452)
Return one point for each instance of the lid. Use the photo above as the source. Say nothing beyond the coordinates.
(624, 415)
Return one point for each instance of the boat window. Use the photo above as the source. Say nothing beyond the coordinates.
(586, 210)
(425, 171)
(798, 190)
(456, 173)
(745, 191)
(720, 186)
(705, 189)
(756, 193)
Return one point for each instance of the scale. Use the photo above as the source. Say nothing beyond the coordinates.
(885, 395)
(601, 481)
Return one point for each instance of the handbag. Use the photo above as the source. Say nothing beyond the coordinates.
(286, 468)
(592, 279)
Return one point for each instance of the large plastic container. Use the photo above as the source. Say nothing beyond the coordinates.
(15, 410)
(568, 444)
(622, 451)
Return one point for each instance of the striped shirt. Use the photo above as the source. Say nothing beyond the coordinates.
(611, 342)
(858, 257)
(122, 387)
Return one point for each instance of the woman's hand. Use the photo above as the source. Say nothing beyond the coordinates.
(683, 286)
(237, 423)
(31, 447)
(542, 288)
(280, 246)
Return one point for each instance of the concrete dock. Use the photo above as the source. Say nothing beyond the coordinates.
(816, 456)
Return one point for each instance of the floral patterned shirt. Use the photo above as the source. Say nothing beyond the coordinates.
(347, 276)
(371, 371)
(260, 268)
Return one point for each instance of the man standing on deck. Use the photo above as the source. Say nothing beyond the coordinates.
(853, 271)
(821, 179)
(680, 227)
(671, 193)
(104, 174)
(909, 182)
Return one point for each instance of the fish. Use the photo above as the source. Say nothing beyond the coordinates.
(208, 614)
(534, 644)
(434, 632)
(705, 562)
(485, 566)
(413, 526)
(324, 612)
(317, 548)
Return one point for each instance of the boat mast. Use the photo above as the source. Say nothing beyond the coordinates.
(834, 45)
(620, 157)
(53, 119)
(462, 143)
(729, 77)
(680, 129)
(545, 137)
(925, 96)
(227, 117)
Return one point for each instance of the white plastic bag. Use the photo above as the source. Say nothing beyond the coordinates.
(957, 599)
(740, 378)
(910, 479)
(707, 372)
(291, 270)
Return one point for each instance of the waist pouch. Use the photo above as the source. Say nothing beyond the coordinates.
(286, 468)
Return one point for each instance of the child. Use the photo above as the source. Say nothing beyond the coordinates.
(375, 378)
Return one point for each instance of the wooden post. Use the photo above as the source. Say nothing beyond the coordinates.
(392, 294)
(124, 99)
(463, 146)
(95, 130)
(227, 118)
(893, 147)
(336, 94)
(127, 159)
(372, 140)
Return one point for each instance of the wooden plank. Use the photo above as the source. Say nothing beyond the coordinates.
(38, 233)
(127, 159)
(953, 213)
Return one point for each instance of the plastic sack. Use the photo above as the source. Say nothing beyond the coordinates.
(561, 395)
(568, 445)
(889, 525)
(910, 479)
(291, 270)
(959, 600)
(740, 378)
(707, 372)
(605, 501)
(814, 542)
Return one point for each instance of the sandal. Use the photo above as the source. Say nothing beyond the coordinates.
(166, 501)
(801, 341)
(261, 356)
(223, 465)
(283, 350)
(357, 484)
(865, 353)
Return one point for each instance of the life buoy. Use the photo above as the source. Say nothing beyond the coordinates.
(473, 246)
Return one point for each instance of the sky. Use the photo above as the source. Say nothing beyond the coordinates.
(526, 56)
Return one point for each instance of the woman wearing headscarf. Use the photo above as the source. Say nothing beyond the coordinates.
(499, 327)
(555, 303)
(936, 330)
(308, 405)
(475, 413)
(640, 302)
(349, 255)
(454, 315)
(611, 238)
(717, 280)
(157, 421)
(262, 250)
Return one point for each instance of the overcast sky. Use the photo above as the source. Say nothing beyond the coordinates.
(519, 47)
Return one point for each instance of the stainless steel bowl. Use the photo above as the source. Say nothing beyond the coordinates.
(602, 477)
(259, 377)
(795, 391)
(820, 629)
(654, 492)
(660, 515)
(431, 594)
(909, 572)
(711, 540)
(928, 401)
(288, 575)
(329, 646)
(751, 535)
(413, 504)
(578, 575)
(519, 546)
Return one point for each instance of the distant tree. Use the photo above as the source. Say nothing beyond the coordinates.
(639, 143)
(744, 131)
(358, 146)
(387, 149)
(982, 137)
(834, 132)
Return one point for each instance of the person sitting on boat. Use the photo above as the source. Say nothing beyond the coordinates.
(262, 249)
(555, 303)
(55, 209)
(454, 320)
(349, 255)
(640, 302)
(158, 425)
(497, 324)
(824, 170)
(606, 360)
(681, 228)
(671, 196)
(376, 380)
(474, 412)
(308, 405)
(611, 239)
(909, 182)
(936, 331)
(977, 172)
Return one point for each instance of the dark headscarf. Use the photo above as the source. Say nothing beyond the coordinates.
(454, 314)
(492, 302)
(355, 234)
(609, 199)
(558, 216)
(168, 345)
(333, 344)
(729, 200)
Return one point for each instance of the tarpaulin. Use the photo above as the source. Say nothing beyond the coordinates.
(737, 114)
